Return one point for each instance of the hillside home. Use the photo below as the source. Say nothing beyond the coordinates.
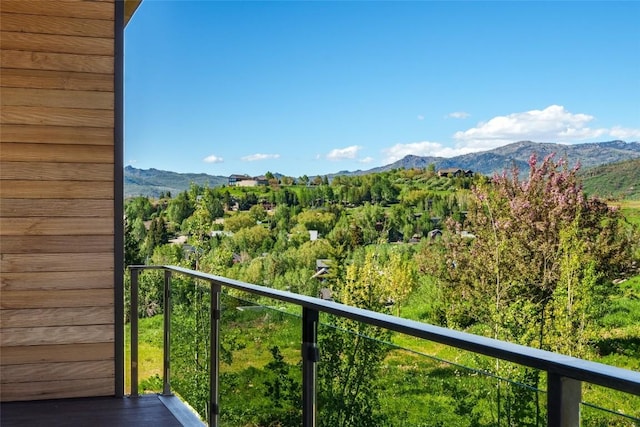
(454, 173)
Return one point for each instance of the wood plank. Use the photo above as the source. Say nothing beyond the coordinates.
(55, 135)
(56, 189)
(62, 25)
(18, 300)
(63, 371)
(56, 43)
(10, 337)
(57, 61)
(55, 353)
(57, 280)
(28, 97)
(76, 117)
(47, 79)
(71, 9)
(17, 263)
(56, 208)
(18, 152)
(57, 389)
(55, 244)
(44, 171)
(68, 316)
(56, 226)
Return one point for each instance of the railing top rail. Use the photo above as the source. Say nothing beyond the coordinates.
(555, 363)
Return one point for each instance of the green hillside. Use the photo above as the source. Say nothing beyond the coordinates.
(613, 181)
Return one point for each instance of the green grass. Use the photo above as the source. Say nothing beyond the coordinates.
(150, 349)
(412, 383)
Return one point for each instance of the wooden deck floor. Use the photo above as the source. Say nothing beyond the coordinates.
(147, 410)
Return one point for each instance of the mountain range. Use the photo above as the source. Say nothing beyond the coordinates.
(153, 182)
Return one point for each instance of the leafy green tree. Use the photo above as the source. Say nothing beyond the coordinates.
(138, 207)
(180, 208)
(239, 221)
(131, 245)
(527, 239)
(350, 362)
(315, 219)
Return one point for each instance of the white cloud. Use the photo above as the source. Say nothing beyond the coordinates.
(553, 124)
(624, 133)
(458, 115)
(366, 160)
(213, 159)
(424, 148)
(259, 156)
(344, 153)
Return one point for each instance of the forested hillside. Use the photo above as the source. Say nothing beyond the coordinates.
(613, 181)
(529, 261)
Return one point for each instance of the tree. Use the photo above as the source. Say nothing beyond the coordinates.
(350, 362)
(180, 208)
(534, 269)
(534, 243)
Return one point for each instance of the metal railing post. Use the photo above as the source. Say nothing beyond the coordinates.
(310, 356)
(166, 379)
(214, 352)
(563, 401)
(133, 313)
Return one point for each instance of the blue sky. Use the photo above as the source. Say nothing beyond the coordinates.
(319, 87)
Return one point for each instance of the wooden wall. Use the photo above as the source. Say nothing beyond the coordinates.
(57, 199)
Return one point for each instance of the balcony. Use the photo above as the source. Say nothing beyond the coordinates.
(230, 306)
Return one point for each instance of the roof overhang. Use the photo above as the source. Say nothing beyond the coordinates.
(130, 7)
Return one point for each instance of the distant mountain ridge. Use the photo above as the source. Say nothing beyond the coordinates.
(518, 154)
(619, 180)
(152, 182)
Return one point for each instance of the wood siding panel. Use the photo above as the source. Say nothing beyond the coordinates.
(59, 25)
(56, 61)
(70, 9)
(56, 98)
(55, 135)
(55, 353)
(63, 371)
(39, 317)
(14, 263)
(49, 153)
(57, 280)
(56, 208)
(45, 79)
(55, 244)
(55, 43)
(20, 300)
(85, 334)
(56, 189)
(56, 389)
(79, 117)
(56, 226)
(56, 171)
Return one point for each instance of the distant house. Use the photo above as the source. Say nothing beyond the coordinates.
(325, 294)
(322, 269)
(454, 173)
(236, 180)
(435, 233)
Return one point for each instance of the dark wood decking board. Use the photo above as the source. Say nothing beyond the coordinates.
(91, 412)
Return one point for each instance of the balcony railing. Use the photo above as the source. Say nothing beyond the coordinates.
(565, 374)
